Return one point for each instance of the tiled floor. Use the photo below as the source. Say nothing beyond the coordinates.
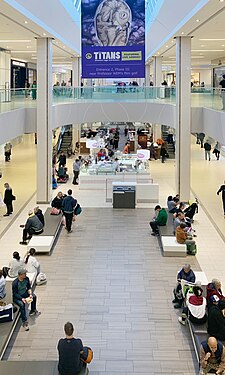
(109, 277)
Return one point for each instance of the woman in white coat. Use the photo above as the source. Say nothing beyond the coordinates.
(31, 263)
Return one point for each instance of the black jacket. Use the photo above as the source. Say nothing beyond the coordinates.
(8, 197)
(216, 323)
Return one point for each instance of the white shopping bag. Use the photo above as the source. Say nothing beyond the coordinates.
(2, 204)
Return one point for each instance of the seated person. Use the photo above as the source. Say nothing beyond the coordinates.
(187, 274)
(62, 173)
(214, 289)
(160, 219)
(169, 202)
(15, 264)
(2, 285)
(126, 149)
(216, 320)
(172, 204)
(21, 289)
(101, 154)
(32, 226)
(69, 350)
(31, 263)
(212, 356)
(179, 208)
(38, 212)
(111, 153)
(195, 308)
(183, 237)
(57, 201)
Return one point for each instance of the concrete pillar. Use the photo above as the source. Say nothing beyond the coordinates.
(157, 132)
(183, 116)
(157, 71)
(76, 134)
(76, 72)
(44, 120)
(147, 75)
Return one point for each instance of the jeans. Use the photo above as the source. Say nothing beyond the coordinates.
(76, 175)
(207, 153)
(22, 305)
(30, 231)
(154, 226)
(69, 218)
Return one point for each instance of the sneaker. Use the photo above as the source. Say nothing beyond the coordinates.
(70, 231)
(174, 300)
(34, 313)
(23, 243)
(153, 234)
(177, 306)
(181, 321)
(26, 326)
(6, 215)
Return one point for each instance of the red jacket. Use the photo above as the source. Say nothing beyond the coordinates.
(211, 291)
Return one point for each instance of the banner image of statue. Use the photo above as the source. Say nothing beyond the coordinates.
(113, 36)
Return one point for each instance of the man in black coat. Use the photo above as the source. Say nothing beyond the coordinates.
(8, 198)
(222, 188)
(216, 321)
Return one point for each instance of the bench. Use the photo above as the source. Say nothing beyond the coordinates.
(9, 281)
(171, 248)
(7, 329)
(34, 367)
(43, 243)
(168, 229)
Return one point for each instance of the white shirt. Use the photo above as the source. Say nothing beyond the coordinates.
(32, 265)
(14, 266)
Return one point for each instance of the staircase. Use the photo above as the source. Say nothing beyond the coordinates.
(66, 138)
(170, 147)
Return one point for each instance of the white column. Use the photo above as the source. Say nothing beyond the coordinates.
(157, 132)
(76, 72)
(76, 134)
(157, 71)
(44, 119)
(147, 74)
(183, 116)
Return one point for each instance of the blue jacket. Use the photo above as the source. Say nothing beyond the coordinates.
(190, 276)
(68, 204)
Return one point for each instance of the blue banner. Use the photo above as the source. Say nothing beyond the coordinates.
(113, 38)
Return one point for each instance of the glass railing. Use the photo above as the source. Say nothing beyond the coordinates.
(26, 98)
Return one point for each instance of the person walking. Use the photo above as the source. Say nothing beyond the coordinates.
(62, 159)
(163, 152)
(207, 147)
(201, 137)
(222, 189)
(68, 205)
(34, 90)
(216, 150)
(8, 199)
(76, 171)
(8, 151)
(222, 84)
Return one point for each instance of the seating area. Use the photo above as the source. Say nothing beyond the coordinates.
(44, 243)
(36, 367)
(171, 248)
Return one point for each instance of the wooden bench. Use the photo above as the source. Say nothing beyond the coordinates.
(171, 248)
(34, 367)
(44, 243)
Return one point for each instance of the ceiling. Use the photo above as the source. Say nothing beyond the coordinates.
(207, 24)
(18, 34)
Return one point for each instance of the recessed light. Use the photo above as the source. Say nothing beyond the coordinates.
(167, 46)
(172, 41)
(182, 33)
(44, 34)
(25, 21)
(221, 1)
(198, 20)
(222, 45)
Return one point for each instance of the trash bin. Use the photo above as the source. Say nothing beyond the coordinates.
(124, 196)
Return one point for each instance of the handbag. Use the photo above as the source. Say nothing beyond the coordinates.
(13, 197)
(77, 210)
(87, 355)
(54, 211)
(41, 279)
(6, 312)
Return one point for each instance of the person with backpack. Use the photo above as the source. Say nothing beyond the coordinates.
(68, 206)
(207, 147)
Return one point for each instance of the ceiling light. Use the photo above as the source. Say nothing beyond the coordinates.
(25, 21)
(213, 40)
(172, 41)
(221, 1)
(208, 50)
(15, 41)
(167, 46)
(44, 34)
(22, 51)
(203, 45)
(182, 33)
(197, 20)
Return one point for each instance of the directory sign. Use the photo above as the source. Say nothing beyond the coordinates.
(113, 38)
